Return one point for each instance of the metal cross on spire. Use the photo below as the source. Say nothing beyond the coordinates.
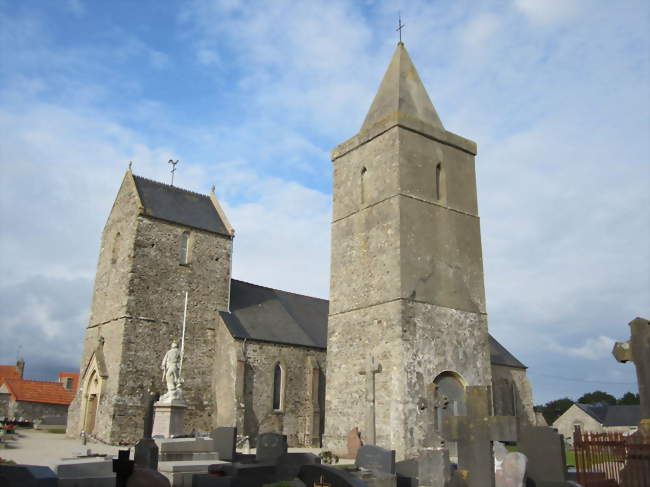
(173, 170)
(400, 26)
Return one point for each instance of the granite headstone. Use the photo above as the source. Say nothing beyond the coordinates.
(225, 442)
(270, 446)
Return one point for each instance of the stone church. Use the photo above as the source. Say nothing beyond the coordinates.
(406, 310)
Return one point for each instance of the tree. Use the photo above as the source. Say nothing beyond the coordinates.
(597, 398)
(554, 409)
(628, 399)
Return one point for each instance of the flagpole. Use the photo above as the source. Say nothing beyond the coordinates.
(180, 369)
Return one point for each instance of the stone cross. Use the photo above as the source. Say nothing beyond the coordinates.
(123, 468)
(431, 407)
(371, 369)
(475, 434)
(637, 350)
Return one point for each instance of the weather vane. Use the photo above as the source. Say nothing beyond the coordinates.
(173, 170)
(400, 26)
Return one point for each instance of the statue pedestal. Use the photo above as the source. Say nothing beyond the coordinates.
(168, 418)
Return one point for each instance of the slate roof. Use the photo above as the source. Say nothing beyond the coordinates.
(613, 415)
(269, 315)
(39, 391)
(179, 205)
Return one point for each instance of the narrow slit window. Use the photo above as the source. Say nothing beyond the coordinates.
(438, 189)
(184, 250)
(363, 184)
(277, 388)
(116, 247)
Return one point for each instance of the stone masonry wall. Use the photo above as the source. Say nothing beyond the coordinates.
(109, 307)
(508, 384)
(138, 310)
(572, 416)
(35, 410)
(293, 419)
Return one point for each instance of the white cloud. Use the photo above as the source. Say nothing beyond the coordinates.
(593, 348)
(480, 30)
(549, 11)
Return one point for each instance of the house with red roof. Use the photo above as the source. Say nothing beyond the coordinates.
(34, 399)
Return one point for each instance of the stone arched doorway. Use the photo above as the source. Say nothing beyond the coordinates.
(91, 398)
(449, 401)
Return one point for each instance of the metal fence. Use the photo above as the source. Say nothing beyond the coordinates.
(612, 459)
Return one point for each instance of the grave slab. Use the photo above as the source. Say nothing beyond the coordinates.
(27, 476)
(544, 447)
(375, 458)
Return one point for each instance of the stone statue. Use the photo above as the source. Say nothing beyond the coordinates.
(171, 373)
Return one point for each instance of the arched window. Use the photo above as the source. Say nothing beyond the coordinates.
(278, 386)
(363, 184)
(184, 250)
(438, 182)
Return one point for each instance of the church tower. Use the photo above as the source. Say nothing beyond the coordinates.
(159, 243)
(407, 299)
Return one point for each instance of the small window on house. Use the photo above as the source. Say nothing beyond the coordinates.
(277, 388)
(68, 383)
(438, 182)
(184, 257)
(363, 184)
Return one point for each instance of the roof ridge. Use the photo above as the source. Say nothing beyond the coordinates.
(171, 186)
(280, 290)
(16, 379)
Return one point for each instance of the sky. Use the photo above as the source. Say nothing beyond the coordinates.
(252, 96)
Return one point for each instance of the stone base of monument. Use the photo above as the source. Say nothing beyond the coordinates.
(168, 418)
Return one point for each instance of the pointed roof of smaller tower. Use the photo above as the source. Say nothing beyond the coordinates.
(401, 94)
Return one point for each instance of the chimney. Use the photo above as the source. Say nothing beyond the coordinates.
(20, 365)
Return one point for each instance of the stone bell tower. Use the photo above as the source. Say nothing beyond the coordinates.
(407, 300)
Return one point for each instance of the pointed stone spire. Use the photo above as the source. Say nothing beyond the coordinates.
(401, 95)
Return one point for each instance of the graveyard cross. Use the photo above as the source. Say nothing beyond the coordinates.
(371, 369)
(637, 350)
(432, 415)
(475, 434)
(123, 468)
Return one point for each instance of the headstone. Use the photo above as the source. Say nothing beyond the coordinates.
(326, 476)
(375, 458)
(434, 469)
(474, 434)
(225, 442)
(270, 446)
(512, 471)
(354, 443)
(27, 476)
(372, 368)
(288, 465)
(637, 350)
(544, 448)
(146, 450)
(123, 468)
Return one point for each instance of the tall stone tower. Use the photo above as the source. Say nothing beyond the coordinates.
(406, 270)
(159, 242)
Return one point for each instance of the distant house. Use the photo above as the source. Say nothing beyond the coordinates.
(597, 418)
(32, 399)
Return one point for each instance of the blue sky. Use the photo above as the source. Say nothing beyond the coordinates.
(252, 96)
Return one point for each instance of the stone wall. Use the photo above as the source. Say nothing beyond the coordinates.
(4, 404)
(574, 415)
(34, 410)
(137, 310)
(295, 416)
(406, 281)
(512, 393)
